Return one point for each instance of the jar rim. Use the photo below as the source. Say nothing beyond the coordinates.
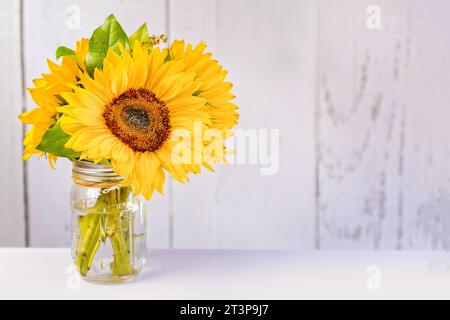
(89, 172)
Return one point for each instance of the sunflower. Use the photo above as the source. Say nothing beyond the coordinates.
(47, 94)
(127, 112)
(213, 87)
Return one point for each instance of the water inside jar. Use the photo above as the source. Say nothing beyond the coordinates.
(132, 223)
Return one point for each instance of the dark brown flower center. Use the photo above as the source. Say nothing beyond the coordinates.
(136, 117)
(139, 119)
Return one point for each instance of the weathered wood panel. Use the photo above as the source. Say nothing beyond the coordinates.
(49, 24)
(360, 125)
(362, 117)
(270, 52)
(12, 214)
(424, 70)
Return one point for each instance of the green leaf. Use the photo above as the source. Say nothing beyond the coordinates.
(141, 35)
(64, 51)
(54, 142)
(67, 52)
(109, 35)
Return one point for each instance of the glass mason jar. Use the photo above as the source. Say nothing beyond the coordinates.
(108, 225)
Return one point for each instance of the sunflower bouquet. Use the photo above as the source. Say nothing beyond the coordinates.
(130, 104)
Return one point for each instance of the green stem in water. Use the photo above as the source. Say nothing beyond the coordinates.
(107, 211)
(117, 227)
(121, 264)
(89, 242)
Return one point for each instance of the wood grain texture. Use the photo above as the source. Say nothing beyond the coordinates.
(46, 28)
(270, 53)
(12, 214)
(424, 70)
(362, 116)
(360, 125)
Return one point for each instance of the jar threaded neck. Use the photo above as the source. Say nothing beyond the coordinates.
(94, 174)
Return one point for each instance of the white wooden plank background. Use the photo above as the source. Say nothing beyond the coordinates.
(12, 211)
(424, 73)
(359, 125)
(362, 117)
(383, 108)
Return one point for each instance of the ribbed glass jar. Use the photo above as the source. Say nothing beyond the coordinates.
(108, 225)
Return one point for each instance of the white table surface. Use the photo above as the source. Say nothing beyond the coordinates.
(48, 274)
